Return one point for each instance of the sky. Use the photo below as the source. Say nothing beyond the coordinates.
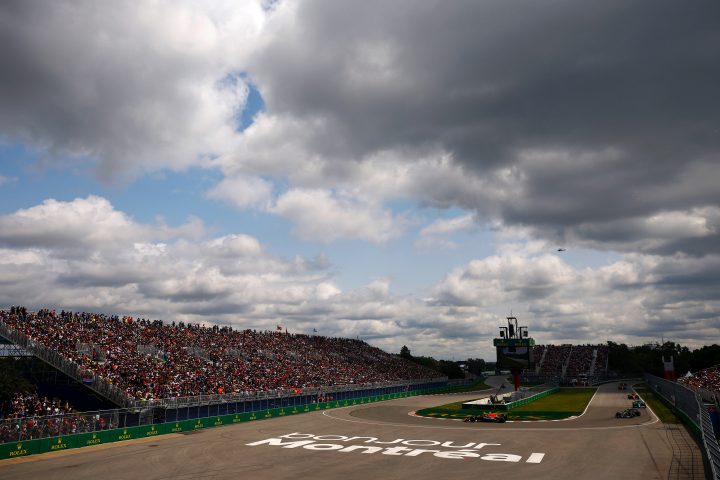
(400, 172)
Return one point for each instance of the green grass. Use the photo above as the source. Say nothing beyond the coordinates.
(566, 400)
(565, 403)
(663, 412)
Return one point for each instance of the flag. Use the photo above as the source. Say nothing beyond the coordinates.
(314, 330)
(279, 327)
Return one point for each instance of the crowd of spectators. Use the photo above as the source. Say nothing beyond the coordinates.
(28, 415)
(576, 360)
(709, 379)
(153, 359)
(555, 358)
(25, 405)
(28, 428)
(581, 358)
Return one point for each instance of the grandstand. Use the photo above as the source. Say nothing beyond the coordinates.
(707, 380)
(128, 359)
(568, 363)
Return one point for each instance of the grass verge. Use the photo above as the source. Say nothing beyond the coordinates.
(565, 403)
(663, 412)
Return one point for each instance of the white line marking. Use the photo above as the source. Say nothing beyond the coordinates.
(495, 429)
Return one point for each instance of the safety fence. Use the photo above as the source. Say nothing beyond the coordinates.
(530, 399)
(188, 408)
(77, 440)
(516, 399)
(688, 405)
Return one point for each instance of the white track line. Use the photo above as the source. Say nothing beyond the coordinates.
(514, 429)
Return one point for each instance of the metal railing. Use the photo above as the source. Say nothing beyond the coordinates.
(189, 408)
(68, 367)
(200, 400)
(22, 429)
(690, 404)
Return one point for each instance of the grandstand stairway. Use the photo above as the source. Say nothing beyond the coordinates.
(592, 364)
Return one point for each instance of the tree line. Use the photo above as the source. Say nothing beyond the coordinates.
(621, 359)
(649, 358)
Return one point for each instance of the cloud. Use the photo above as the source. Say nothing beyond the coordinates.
(585, 126)
(131, 86)
(177, 274)
(566, 133)
(323, 216)
(7, 180)
(79, 224)
(471, 105)
(243, 192)
(435, 235)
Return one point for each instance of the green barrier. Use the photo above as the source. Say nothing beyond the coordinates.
(55, 444)
(236, 418)
(89, 439)
(20, 449)
(148, 431)
(119, 434)
(200, 423)
(175, 427)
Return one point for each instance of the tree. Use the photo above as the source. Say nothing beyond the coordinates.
(405, 353)
(475, 365)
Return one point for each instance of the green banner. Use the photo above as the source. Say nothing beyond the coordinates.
(119, 434)
(89, 439)
(55, 444)
(20, 449)
(149, 431)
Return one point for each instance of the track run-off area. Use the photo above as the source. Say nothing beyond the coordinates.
(384, 441)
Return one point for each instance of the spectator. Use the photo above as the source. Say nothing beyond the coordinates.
(151, 359)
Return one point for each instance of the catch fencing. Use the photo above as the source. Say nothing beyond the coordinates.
(111, 432)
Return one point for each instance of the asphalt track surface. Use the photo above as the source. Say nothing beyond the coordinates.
(595, 445)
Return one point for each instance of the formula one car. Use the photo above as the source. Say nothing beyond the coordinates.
(494, 418)
(639, 404)
(628, 413)
(633, 396)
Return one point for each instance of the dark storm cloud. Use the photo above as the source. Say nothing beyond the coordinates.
(598, 106)
(110, 83)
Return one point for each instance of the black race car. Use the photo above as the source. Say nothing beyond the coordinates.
(628, 413)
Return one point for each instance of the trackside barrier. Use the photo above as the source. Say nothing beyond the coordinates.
(517, 403)
(688, 405)
(79, 440)
(525, 401)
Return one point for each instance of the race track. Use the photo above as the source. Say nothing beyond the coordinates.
(385, 441)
